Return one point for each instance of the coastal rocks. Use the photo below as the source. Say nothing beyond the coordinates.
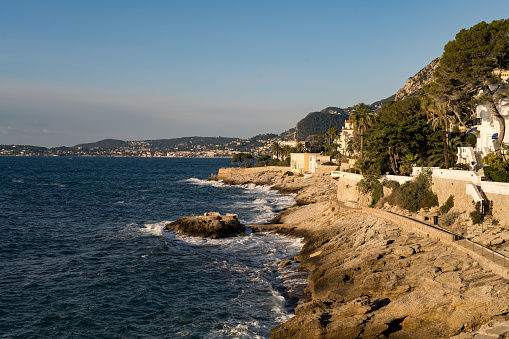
(284, 263)
(369, 278)
(211, 225)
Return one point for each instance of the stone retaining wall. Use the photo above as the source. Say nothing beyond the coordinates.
(347, 189)
(325, 169)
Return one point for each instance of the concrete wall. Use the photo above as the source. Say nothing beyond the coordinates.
(347, 190)
(498, 192)
(443, 188)
(325, 169)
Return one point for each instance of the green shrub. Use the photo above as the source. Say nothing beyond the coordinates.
(288, 173)
(377, 194)
(414, 195)
(476, 215)
(497, 162)
(329, 163)
(277, 162)
(495, 222)
(448, 219)
(391, 184)
(471, 139)
(499, 176)
(446, 207)
(367, 184)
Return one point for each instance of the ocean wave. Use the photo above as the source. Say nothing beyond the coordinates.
(242, 330)
(154, 228)
(201, 182)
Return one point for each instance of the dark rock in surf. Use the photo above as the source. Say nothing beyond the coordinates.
(211, 225)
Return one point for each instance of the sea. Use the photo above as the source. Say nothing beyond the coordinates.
(83, 253)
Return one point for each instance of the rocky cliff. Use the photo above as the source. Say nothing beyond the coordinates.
(415, 84)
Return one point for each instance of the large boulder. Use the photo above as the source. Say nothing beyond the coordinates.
(211, 225)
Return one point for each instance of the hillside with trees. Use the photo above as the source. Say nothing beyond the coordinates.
(321, 122)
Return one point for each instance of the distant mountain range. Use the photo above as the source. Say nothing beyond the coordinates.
(183, 143)
(313, 123)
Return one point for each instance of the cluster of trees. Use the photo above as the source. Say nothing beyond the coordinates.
(425, 130)
(243, 159)
(282, 152)
(406, 133)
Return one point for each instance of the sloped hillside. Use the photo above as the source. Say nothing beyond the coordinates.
(321, 122)
(415, 84)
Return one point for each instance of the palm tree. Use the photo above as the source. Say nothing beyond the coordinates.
(331, 135)
(286, 151)
(436, 157)
(275, 149)
(439, 114)
(362, 118)
(300, 147)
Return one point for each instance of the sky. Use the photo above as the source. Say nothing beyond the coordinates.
(81, 71)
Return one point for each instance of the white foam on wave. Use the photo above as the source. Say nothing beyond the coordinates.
(201, 182)
(154, 228)
(278, 308)
(237, 331)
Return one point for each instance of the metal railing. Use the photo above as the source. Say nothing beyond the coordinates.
(476, 248)
(484, 252)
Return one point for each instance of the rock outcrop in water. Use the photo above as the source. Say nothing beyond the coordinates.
(211, 225)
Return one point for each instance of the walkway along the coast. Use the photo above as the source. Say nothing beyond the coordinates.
(487, 258)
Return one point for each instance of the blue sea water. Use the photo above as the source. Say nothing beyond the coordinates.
(83, 254)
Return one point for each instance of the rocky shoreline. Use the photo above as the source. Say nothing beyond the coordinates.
(368, 278)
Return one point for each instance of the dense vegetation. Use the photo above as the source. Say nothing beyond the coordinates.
(320, 122)
(468, 65)
(414, 195)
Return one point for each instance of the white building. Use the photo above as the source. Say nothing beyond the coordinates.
(486, 130)
(345, 136)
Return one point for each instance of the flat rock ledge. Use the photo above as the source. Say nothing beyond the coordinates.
(211, 225)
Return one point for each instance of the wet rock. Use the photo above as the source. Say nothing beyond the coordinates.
(284, 263)
(211, 225)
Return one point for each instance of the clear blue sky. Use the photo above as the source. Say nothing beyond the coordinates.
(81, 71)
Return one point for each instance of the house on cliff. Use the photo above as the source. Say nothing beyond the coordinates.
(345, 136)
(486, 129)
